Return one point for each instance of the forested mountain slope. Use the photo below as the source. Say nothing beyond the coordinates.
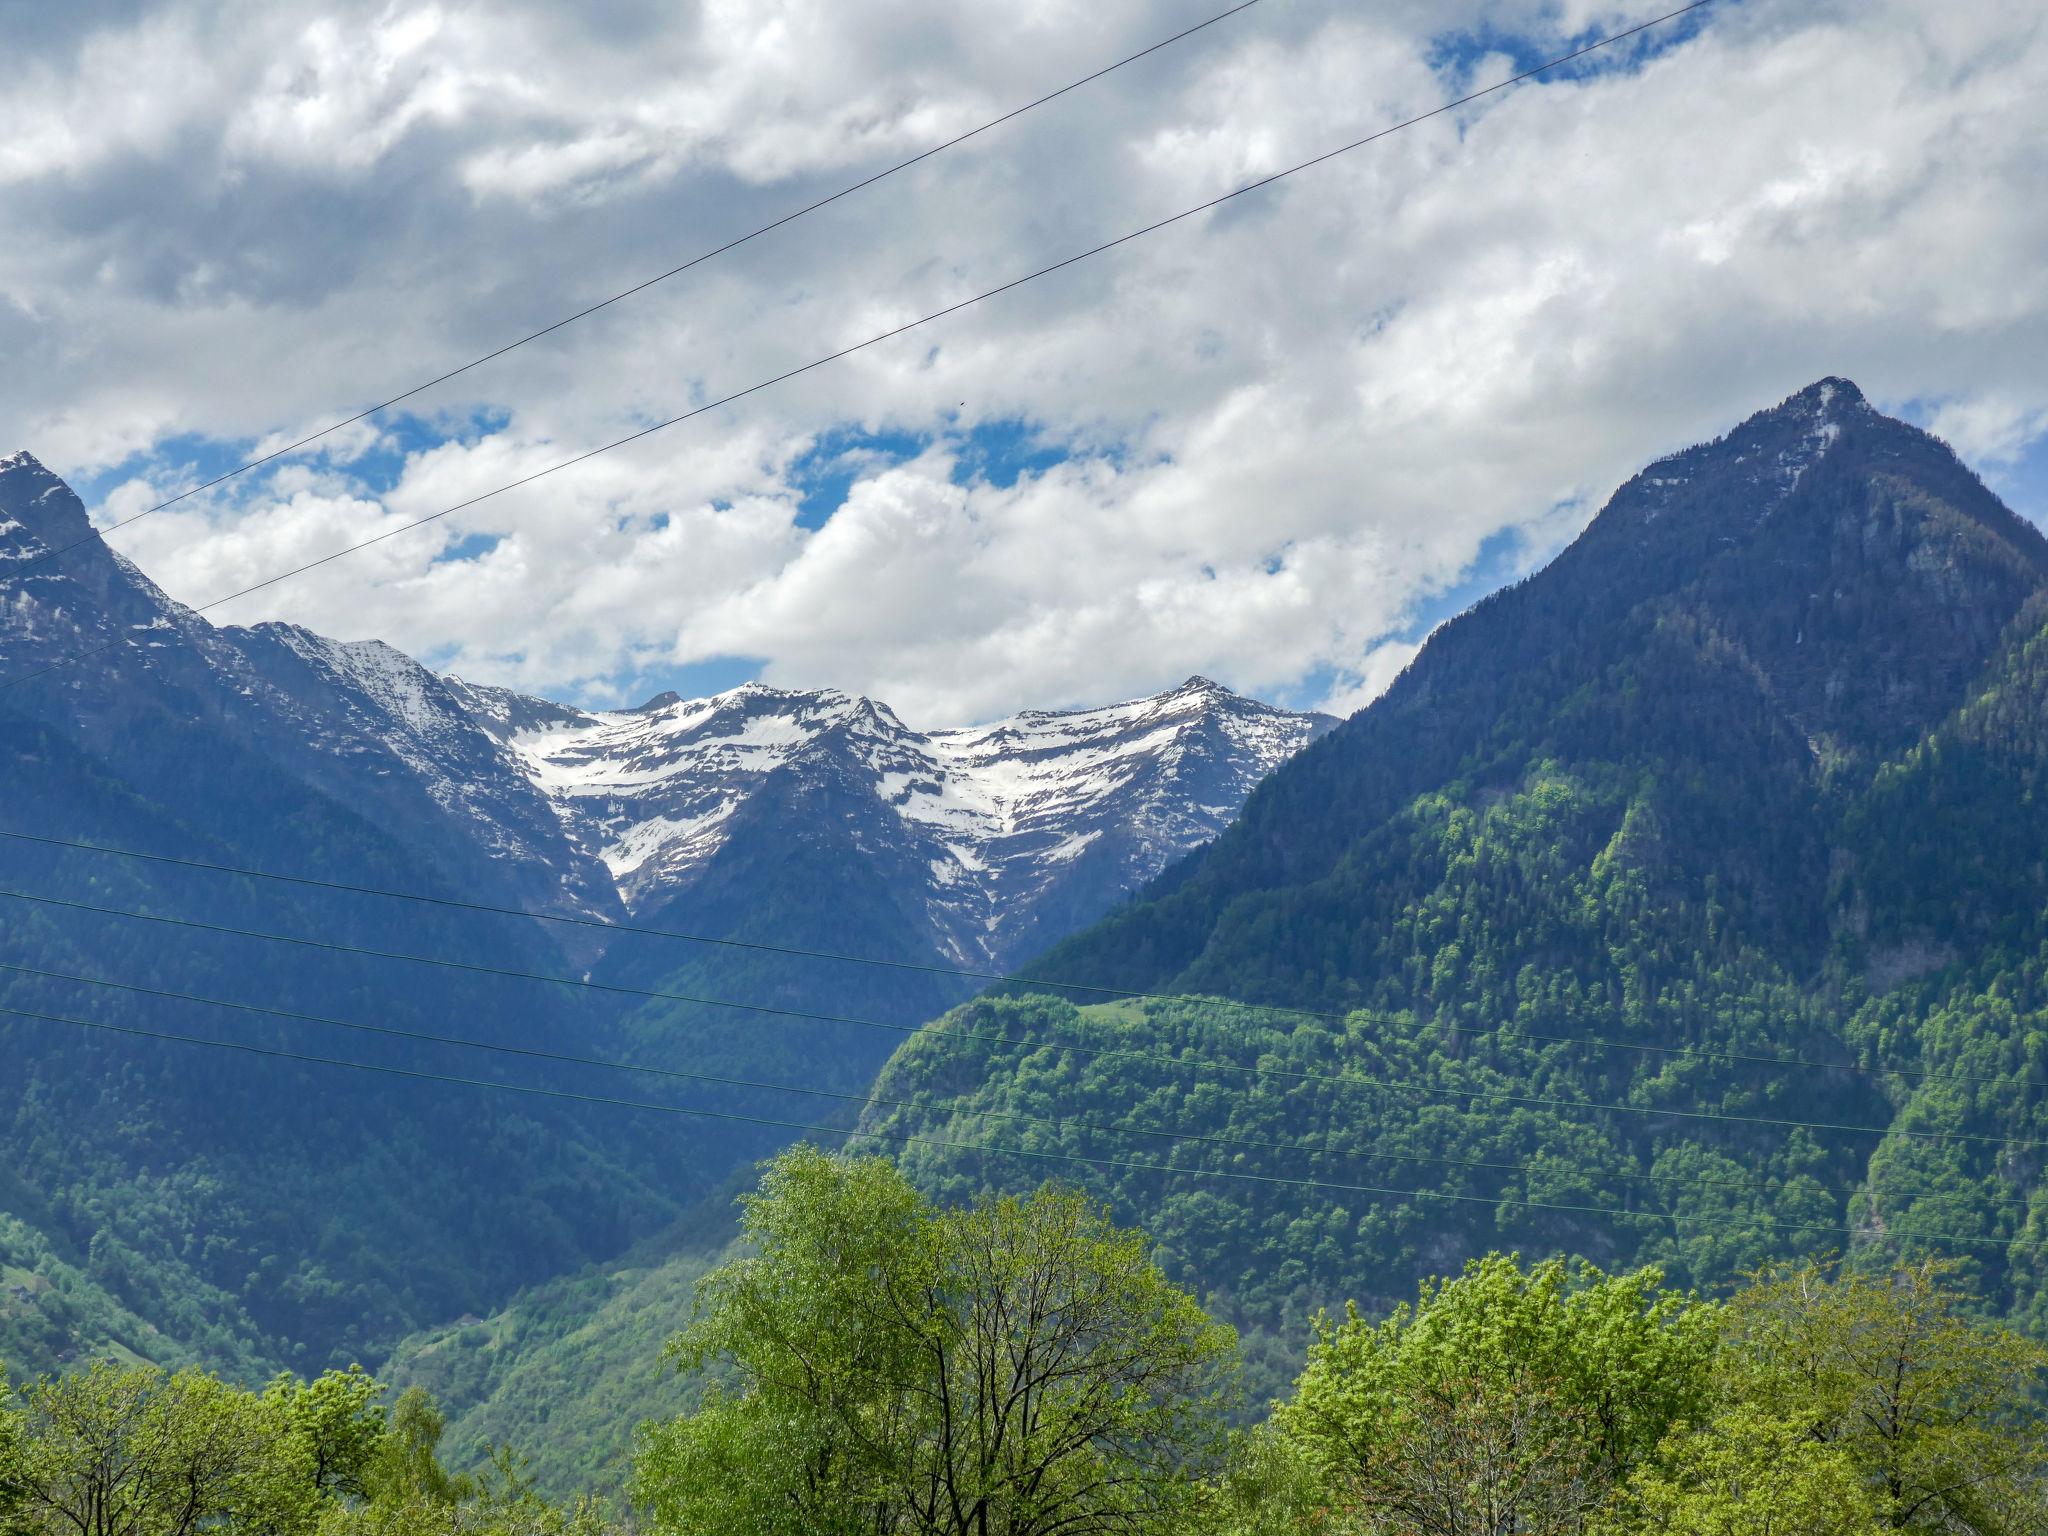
(810, 819)
(1749, 772)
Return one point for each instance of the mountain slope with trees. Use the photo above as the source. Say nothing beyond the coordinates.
(1748, 773)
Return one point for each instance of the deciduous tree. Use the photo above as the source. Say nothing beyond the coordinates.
(1015, 1368)
(1500, 1401)
(1940, 1414)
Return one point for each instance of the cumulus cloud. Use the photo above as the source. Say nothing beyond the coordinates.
(1284, 431)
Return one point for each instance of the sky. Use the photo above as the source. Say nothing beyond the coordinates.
(1272, 444)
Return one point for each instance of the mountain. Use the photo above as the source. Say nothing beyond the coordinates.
(1006, 834)
(160, 1200)
(182, 1203)
(1749, 772)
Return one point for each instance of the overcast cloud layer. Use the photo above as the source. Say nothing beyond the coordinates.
(1269, 444)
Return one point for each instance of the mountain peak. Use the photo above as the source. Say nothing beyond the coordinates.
(36, 502)
(1005, 832)
(1831, 393)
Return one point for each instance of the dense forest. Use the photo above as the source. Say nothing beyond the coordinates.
(869, 1362)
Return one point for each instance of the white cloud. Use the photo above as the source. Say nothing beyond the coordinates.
(1989, 428)
(1298, 420)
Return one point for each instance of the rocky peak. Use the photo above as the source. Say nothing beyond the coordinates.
(1846, 559)
(38, 512)
(1005, 826)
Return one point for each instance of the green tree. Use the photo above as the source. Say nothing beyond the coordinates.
(1016, 1367)
(1747, 1473)
(1500, 1401)
(112, 1452)
(1270, 1488)
(1939, 1414)
(13, 1467)
(404, 1464)
(499, 1502)
(340, 1420)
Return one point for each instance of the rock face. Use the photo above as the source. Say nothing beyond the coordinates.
(1011, 832)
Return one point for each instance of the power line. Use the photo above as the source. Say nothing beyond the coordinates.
(675, 271)
(909, 1139)
(966, 974)
(875, 340)
(1058, 1122)
(1431, 1095)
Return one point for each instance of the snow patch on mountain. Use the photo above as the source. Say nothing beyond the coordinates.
(991, 840)
(1002, 816)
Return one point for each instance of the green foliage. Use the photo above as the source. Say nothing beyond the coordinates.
(1271, 1486)
(1747, 1473)
(1815, 1403)
(1015, 1365)
(340, 1419)
(1941, 1417)
(112, 1451)
(568, 1369)
(1499, 1391)
(13, 1458)
(53, 1312)
(142, 1453)
(405, 1469)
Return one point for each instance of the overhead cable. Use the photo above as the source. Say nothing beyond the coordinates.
(73, 657)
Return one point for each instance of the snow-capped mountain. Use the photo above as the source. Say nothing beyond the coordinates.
(785, 822)
(1020, 828)
(988, 841)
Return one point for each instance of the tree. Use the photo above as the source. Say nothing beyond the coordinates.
(403, 1464)
(1747, 1473)
(1270, 1488)
(13, 1450)
(1940, 1415)
(1481, 1459)
(1502, 1400)
(499, 1502)
(112, 1452)
(1018, 1367)
(340, 1421)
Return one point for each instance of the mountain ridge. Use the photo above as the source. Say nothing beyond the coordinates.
(993, 810)
(381, 1205)
(1612, 594)
(1746, 773)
